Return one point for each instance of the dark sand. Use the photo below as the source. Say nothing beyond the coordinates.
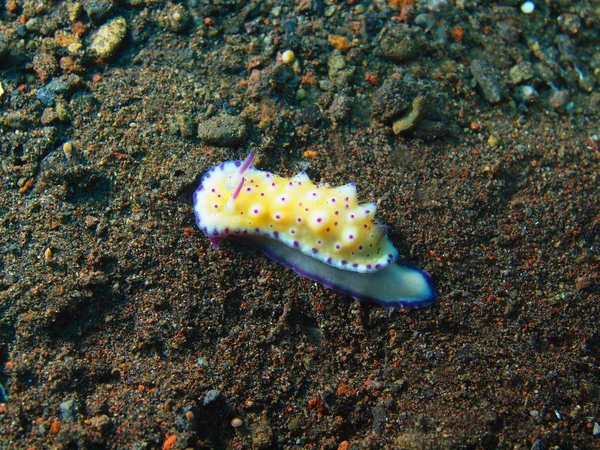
(117, 318)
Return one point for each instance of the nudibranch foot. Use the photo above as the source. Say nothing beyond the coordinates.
(396, 286)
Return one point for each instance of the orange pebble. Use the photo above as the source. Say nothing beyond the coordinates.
(344, 445)
(54, 427)
(169, 442)
(457, 33)
(340, 43)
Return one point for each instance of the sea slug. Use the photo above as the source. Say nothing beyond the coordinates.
(321, 232)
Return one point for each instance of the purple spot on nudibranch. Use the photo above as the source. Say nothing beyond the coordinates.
(213, 190)
(337, 213)
(276, 234)
(293, 231)
(354, 265)
(216, 206)
(351, 236)
(367, 212)
(319, 220)
(257, 230)
(343, 262)
(248, 189)
(256, 211)
(299, 219)
(337, 247)
(296, 244)
(360, 247)
(352, 216)
(377, 266)
(333, 200)
(319, 242)
(207, 175)
(328, 260)
(238, 163)
(314, 250)
(369, 266)
(277, 216)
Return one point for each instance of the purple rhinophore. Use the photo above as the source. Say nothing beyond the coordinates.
(235, 194)
(247, 162)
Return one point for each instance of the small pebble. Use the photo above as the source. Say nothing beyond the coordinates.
(527, 7)
(237, 422)
(68, 150)
(48, 254)
(109, 38)
(596, 431)
(288, 57)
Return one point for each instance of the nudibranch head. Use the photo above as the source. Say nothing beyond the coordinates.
(323, 222)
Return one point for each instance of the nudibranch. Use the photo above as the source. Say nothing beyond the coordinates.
(319, 231)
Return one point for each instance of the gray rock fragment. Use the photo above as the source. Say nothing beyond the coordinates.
(69, 410)
(488, 80)
(211, 396)
(223, 131)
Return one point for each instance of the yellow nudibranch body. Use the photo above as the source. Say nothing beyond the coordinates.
(323, 222)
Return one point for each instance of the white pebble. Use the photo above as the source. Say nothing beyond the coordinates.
(237, 422)
(527, 7)
(288, 57)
